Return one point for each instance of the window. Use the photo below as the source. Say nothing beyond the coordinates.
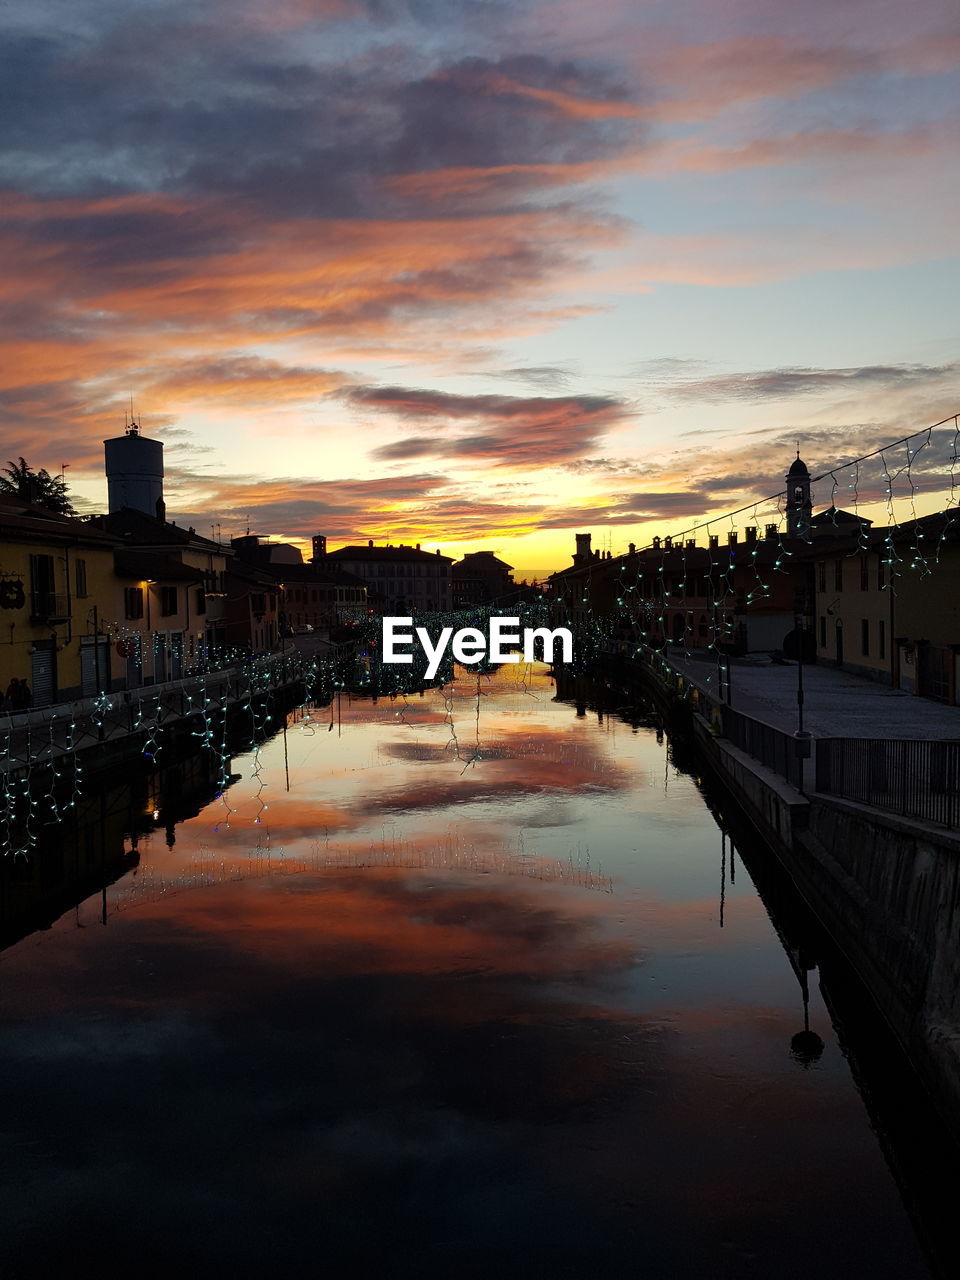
(258, 602)
(822, 576)
(881, 573)
(200, 601)
(80, 573)
(838, 575)
(864, 573)
(168, 601)
(823, 633)
(865, 637)
(882, 638)
(133, 602)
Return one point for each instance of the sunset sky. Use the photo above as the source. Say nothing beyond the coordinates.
(471, 272)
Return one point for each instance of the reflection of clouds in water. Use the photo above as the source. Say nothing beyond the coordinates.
(362, 1027)
(490, 787)
(452, 854)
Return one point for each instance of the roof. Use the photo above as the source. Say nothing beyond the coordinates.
(252, 574)
(741, 554)
(143, 565)
(314, 573)
(27, 520)
(837, 515)
(138, 529)
(481, 562)
(400, 553)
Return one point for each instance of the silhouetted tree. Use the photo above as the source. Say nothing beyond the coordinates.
(39, 488)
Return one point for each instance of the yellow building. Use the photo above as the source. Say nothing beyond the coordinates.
(169, 602)
(55, 575)
(888, 605)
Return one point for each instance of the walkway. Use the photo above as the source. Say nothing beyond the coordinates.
(836, 703)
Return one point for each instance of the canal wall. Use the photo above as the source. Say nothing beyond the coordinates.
(887, 891)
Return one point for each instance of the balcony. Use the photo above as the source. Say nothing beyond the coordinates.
(48, 608)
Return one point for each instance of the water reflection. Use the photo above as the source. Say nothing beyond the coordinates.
(459, 999)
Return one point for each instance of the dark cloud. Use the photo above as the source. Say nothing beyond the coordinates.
(165, 102)
(516, 431)
(779, 384)
(604, 467)
(545, 377)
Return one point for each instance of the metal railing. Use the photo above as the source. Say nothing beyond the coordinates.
(773, 748)
(912, 778)
(48, 733)
(47, 605)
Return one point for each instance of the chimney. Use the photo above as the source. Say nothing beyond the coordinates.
(369, 542)
(731, 539)
(668, 543)
(770, 533)
(751, 533)
(714, 540)
(691, 542)
(632, 548)
(656, 544)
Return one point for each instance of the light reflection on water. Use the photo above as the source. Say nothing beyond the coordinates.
(458, 999)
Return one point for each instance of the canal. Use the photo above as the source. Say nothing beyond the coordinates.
(459, 984)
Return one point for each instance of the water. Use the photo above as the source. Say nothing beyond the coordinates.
(487, 989)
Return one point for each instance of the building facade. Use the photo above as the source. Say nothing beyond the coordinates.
(888, 605)
(399, 579)
(56, 576)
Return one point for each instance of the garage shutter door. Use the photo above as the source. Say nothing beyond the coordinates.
(88, 669)
(43, 684)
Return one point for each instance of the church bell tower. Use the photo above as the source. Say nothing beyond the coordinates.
(799, 504)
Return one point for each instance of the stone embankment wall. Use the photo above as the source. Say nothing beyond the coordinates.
(887, 891)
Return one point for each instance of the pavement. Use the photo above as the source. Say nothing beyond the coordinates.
(836, 704)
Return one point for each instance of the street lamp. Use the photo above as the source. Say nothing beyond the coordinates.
(802, 737)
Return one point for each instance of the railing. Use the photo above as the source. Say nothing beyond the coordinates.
(47, 605)
(774, 748)
(911, 778)
(48, 733)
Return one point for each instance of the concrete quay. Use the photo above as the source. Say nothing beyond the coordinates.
(836, 704)
(885, 888)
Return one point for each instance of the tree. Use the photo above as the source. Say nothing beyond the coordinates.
(39, 488)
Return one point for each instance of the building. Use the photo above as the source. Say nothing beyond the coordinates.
(56, 574)
(195, 624)
(319, 595)
(399, 579)
(888, 604)
(742, 596)
(252, 608)
(134, 469)
(481, 578)
(157, 619)
(799, 504)
(168, 616)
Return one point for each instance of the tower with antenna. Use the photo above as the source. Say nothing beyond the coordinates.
(134, 467)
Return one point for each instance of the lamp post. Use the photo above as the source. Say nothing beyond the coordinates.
(801, 738)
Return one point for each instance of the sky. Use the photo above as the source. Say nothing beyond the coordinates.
(473, 273)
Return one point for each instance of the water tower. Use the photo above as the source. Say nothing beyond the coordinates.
(134, 468)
